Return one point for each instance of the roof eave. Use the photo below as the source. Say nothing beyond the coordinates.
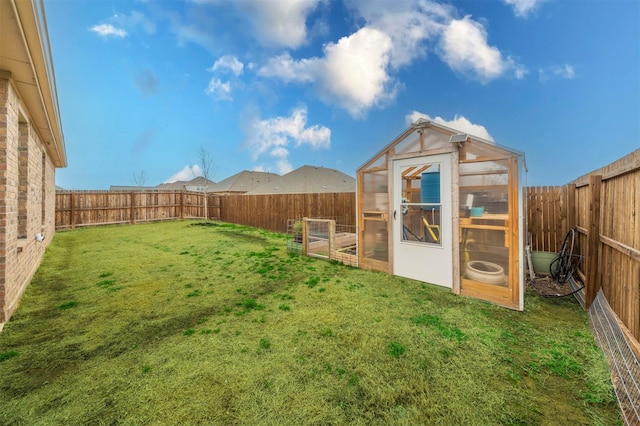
(37, 87)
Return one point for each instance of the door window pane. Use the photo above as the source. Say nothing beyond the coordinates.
(420, 204)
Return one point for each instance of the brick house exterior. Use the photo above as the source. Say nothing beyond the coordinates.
(31, 147)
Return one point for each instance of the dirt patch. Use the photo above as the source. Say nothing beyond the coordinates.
(546, 286)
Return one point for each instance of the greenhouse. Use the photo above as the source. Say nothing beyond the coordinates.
(445, 207)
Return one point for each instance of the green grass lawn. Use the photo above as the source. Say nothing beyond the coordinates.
(191, 323)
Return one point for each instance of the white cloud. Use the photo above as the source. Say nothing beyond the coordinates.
(459, 122)
(409, 24)
(121, 22)
(565, 71)
(108, 30)
(228, 63)
(282, 163)
(279, 152)
(274, 136)
(519, 70)
(284, 167)
(279, 23)
(522, 8)
(288, 69)
(219, 89)
(187, 173)
(353, 72)
(464, 48)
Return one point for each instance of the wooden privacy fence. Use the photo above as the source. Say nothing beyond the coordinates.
(270, 211)
(604, 209)
(91, 208)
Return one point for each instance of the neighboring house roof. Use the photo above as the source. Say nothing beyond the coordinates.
(244, 181)
(25, 59)
(199, 184)
(131, 188)
(172, 186)
(308, 179)
(200, 181)
(191, 185)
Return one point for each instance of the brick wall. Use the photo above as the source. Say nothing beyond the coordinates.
(27, 199)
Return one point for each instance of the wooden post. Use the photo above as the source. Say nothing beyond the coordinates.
(593, 283)
(557, 214)
(360, 217)
(304, 236)
(133, 213)
(73, 211)
(532, 214)
(332, 239)
(516, 280)
(571, 206)
(181, 205)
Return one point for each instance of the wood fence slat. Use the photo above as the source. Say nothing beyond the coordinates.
(571, 207)
(537, 228)
(592, 286)
(558, 214)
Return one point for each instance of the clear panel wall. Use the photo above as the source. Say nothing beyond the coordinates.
(375, 207)
(484, 221)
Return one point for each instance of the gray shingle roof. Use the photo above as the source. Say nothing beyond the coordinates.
(182, 185)
(172, 186)
(244, 181)
(308, 179)
(131, 188)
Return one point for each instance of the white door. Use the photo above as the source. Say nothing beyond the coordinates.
(422, 219)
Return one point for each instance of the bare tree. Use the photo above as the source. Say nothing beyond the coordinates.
(207, 167)
(139, 179)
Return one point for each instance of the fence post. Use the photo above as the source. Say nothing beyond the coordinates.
(571, 206)
(557, 214)
(133, 214)
(181, 205)
(73, 211)
(593, 283)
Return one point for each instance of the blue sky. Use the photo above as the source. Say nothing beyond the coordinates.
(273, 85)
